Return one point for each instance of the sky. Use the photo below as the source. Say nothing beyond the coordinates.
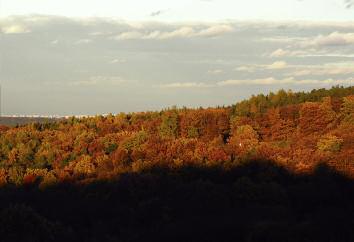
(96, 57)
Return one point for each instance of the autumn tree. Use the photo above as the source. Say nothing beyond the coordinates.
(243, 141)
(348, 109)
(84, 166)
(279, 128)
(316, 118)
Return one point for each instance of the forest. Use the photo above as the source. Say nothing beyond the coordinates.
(275, 167)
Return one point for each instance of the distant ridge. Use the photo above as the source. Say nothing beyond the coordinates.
(23, 120)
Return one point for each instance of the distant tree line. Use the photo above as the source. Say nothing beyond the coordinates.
(260, 103)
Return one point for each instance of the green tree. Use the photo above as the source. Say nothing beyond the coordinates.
(169, 125)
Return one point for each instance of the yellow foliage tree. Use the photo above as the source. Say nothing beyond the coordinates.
(330, 143)
(84, 166)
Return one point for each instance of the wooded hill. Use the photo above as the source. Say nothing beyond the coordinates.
(273, 168)
(295, 130)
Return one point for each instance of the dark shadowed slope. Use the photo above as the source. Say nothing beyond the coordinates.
(258, 201)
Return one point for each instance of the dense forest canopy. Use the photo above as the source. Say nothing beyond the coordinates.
(298, 130)
(132, 177)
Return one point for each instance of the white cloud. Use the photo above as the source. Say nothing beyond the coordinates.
(93, 81)
(277, 65)
(259, 82)
(309, 52)
(324, 70)
(333, 39)
(100, 33)
(215, 72)
(182, 32)
(311, 46)
(83, 41)
(329, 54)
(293, 53)
(129, 35)
(328, 45)
(111, 80)
(289, 80)
(283, 39)
(54, 42)
(186, 85)
(216, 30)
(263, 81)
(279, 53)
(14, 29)
(114, 61)
(329, 69)
(83, 83)
(249, 68)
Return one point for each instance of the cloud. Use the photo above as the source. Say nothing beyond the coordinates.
(180, 64)
(100, 33)
(263, 81)
(259, 82)
(285, 81)
(83, 41)
(187, 85)
(249, 68)
(333, 39)
(93, 81)
(14, 29)
(309, 52)
(279, 53)
(129, 35)
(277, 65)
(215, 30)
(324, 70)
(329, 69)
(292, 53)
(54, 42)
(349, 3)
(182, 32)
(83, 83)
(283, 39)
(157, 13)
(114, 61)
(113, 80)
(215, 72)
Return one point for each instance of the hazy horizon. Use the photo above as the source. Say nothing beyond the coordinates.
(98, 57)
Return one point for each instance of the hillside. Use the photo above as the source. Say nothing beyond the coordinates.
(297, 130)
(270, 168)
